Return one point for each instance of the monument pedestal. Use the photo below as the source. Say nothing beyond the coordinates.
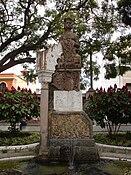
(65, 130)
(70, 129)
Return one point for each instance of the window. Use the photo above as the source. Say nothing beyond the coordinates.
(2, 86)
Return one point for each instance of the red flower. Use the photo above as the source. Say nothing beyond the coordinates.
(24, 99)
(118, 97)
(125, 88)
(26, 90)
(6, 89)
(115, 86)
(19, 88)
(28, 105)
(30, 91)
(13, 90)
(129, 94)
(22, 90)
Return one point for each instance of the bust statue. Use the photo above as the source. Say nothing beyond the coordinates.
(69, 41)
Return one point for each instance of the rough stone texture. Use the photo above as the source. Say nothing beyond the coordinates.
(86, 153)
(69, 41)
(70, 133)
(73, 142)
(69, 125)
(46, 62)
(77, 153)
(66, 80)
(74, 63)
(63, 80)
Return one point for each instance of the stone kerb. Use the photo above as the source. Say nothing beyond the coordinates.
(113, 151)
(26, 151)
(19, 150)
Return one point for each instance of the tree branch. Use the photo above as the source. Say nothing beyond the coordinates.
(24, 48)
(12, 63)
(22, 34)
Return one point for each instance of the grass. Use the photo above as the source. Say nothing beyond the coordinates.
(8, 165)
(121, 139)
(118, 168)
(22, 165)
(110, 167)
(8, 138)
(51, 169)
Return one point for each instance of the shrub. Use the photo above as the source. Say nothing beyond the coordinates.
(122, 139)
(110, 108)
(18, 138)
(17, 105)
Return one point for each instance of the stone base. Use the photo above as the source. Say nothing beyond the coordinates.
(71, 137)
(69, 125)
(73, 150)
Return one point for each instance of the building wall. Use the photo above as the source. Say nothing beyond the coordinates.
(127, 77)
(7, 79)
(12, 80)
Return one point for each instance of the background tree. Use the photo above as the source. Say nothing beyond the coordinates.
(27, 26)
(124, 7)
(95, 28)
(118, 54)
(25, 29)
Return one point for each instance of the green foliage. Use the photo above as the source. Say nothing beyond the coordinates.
(121, 139)
(35, 24)
(111, 71)
(118, 167)
(95, 70)
(121, 51)
(8, 138)
(16, 105)
(9, 166)
(124, 7)
(110, 108)
(29, 74)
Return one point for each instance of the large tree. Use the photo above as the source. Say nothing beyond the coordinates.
(118, 53)
(28, 25)
(124, 7)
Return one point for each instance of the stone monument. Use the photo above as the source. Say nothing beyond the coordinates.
(64, 125)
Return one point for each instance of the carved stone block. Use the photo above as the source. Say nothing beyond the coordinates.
(68, 101)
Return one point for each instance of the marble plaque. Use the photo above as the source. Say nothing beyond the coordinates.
(68, 101)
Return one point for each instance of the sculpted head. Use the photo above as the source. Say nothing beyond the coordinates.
(68, 23)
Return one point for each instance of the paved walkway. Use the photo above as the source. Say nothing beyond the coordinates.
(35, 126)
